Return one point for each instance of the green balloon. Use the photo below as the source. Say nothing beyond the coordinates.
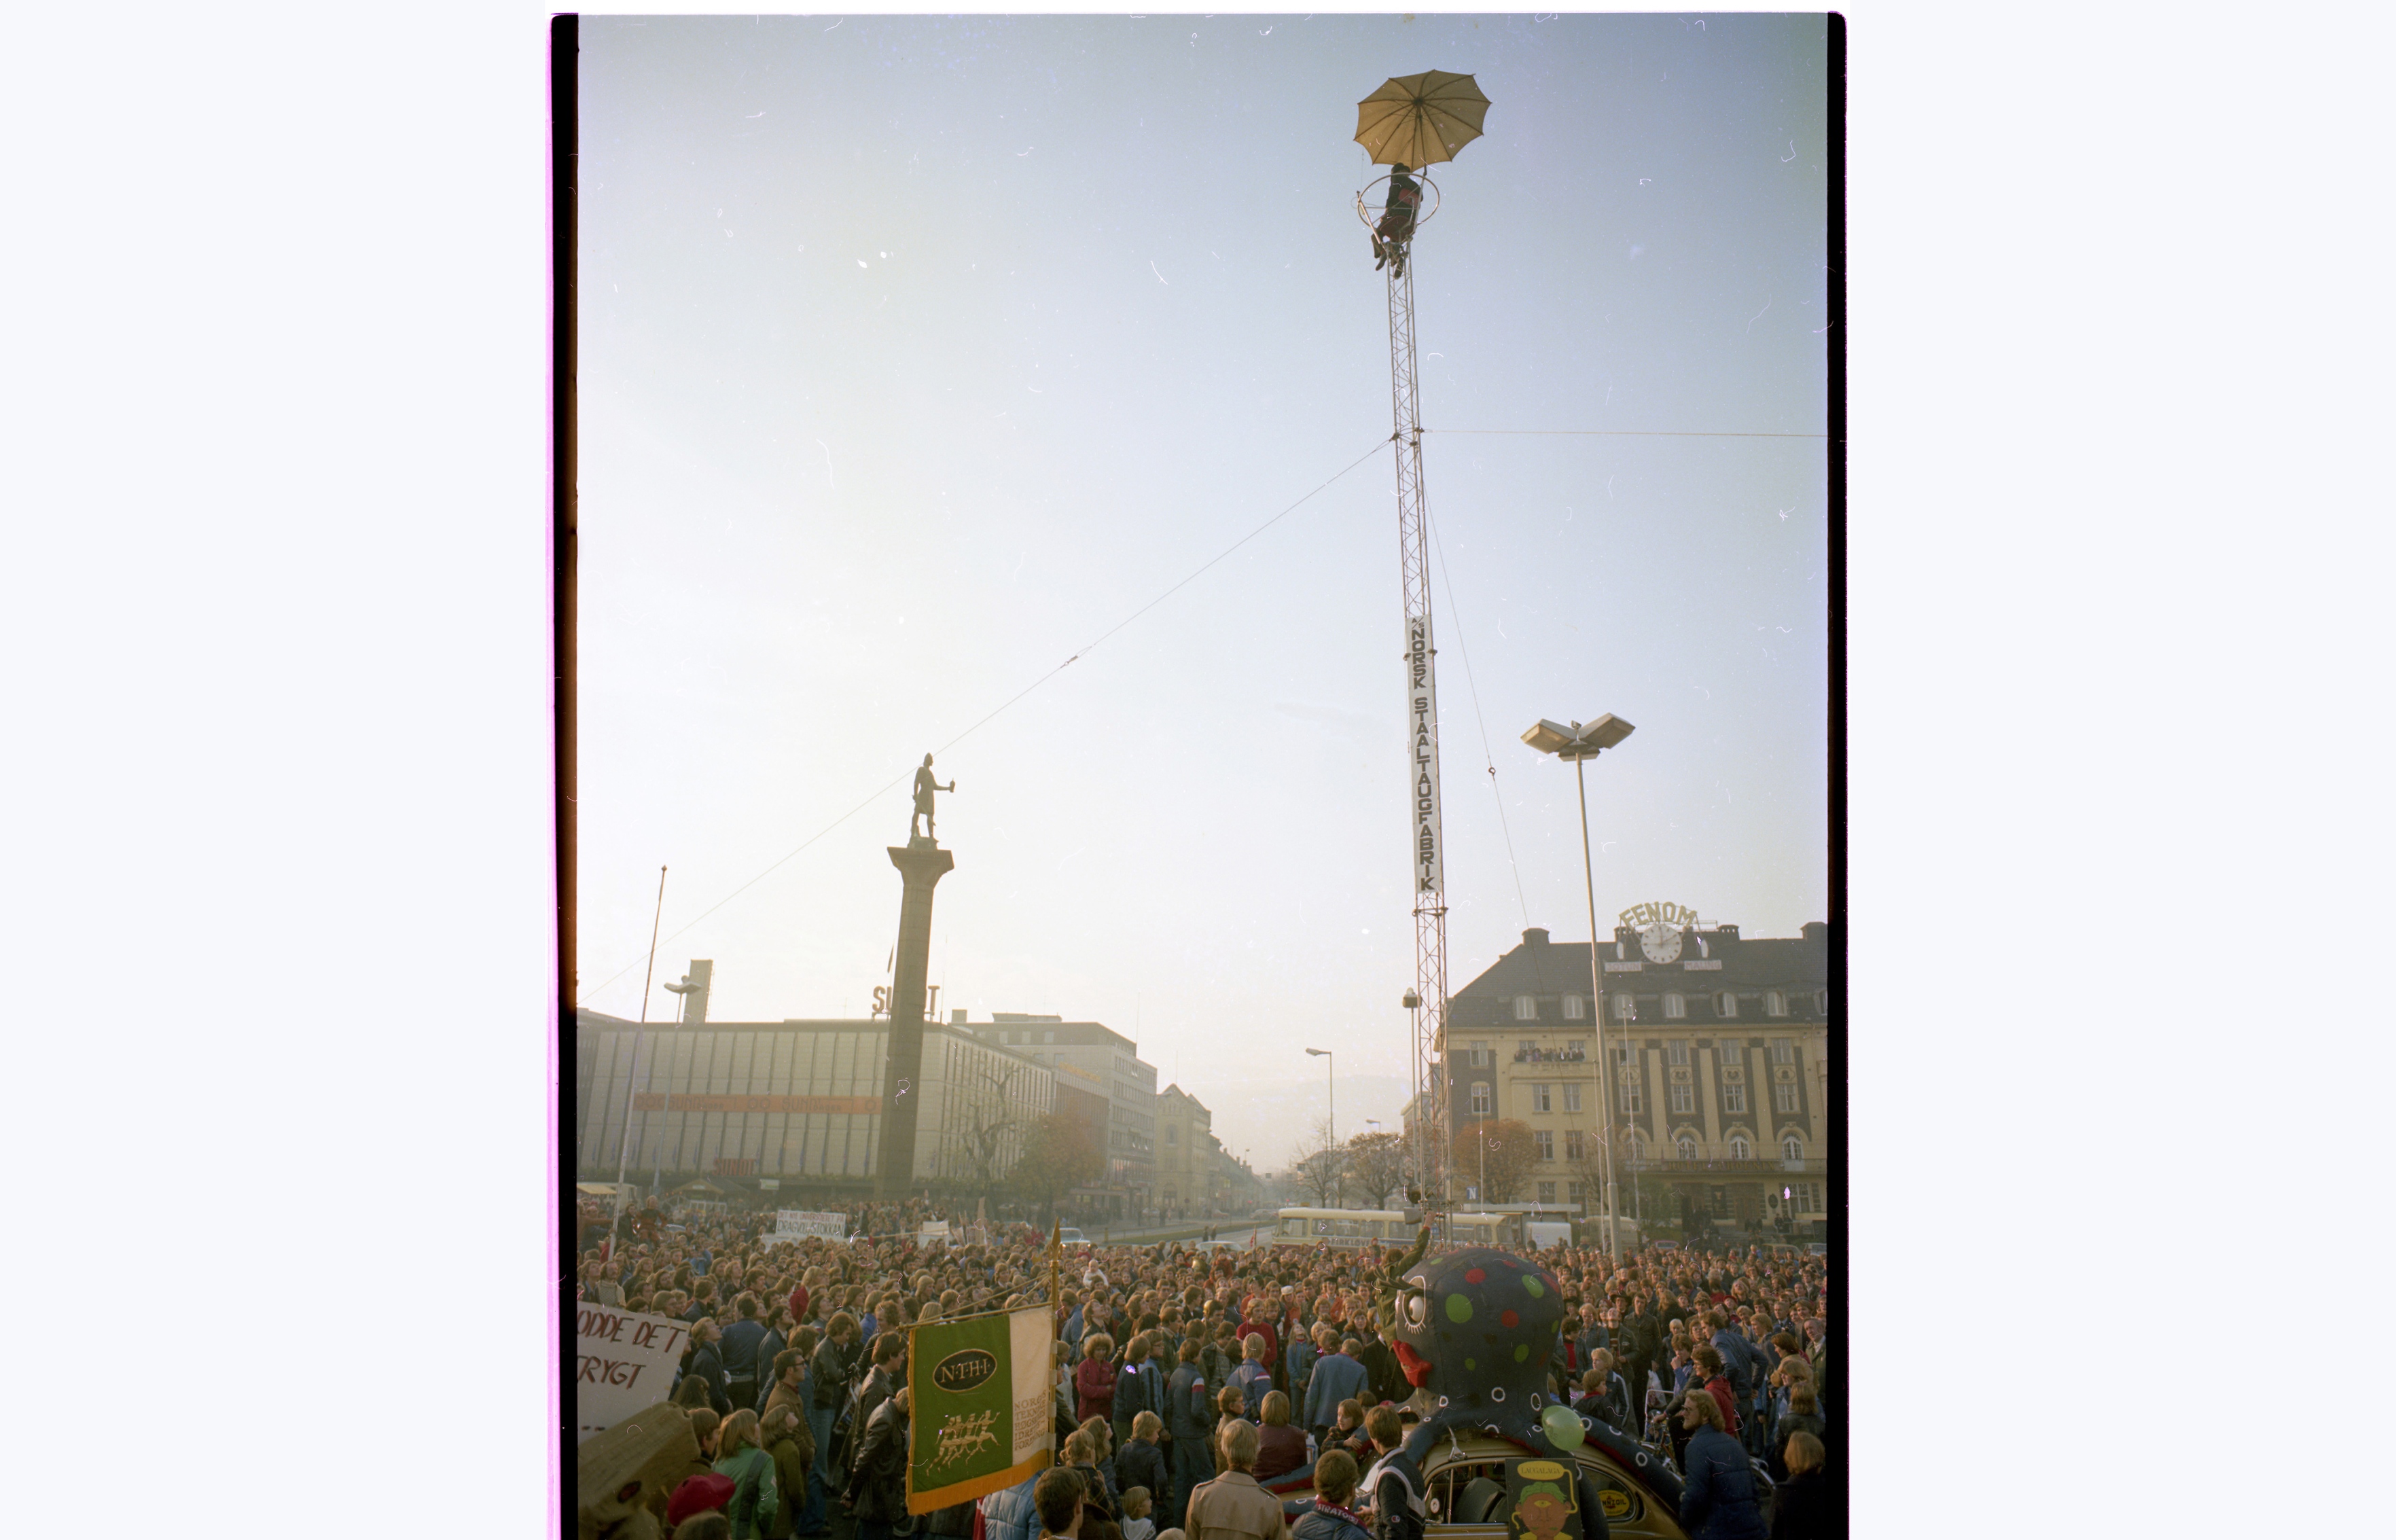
(1563, 1429)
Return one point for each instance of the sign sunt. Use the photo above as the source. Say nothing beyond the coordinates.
(982, 1388)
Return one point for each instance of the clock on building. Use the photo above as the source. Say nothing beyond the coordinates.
(1660, 942)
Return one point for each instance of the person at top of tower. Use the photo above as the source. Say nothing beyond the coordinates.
(1398, 211)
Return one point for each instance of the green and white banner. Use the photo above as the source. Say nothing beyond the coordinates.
(982, 1387)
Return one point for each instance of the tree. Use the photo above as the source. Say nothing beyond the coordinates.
(1059, 1154)
(1376, 1164)
(987, 1113)
(1501, 1147)
(1318, 1164)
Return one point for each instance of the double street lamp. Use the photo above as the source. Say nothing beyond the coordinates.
(1581, 742)
(1330, 1118)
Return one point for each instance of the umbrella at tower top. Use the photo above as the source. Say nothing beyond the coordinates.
(1420, 120)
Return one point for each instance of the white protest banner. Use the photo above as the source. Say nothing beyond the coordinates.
(623, 1363)
(832, 1227)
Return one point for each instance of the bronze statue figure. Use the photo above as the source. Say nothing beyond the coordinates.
(925, 787)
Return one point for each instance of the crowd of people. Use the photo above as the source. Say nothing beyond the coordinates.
(1185, 1378)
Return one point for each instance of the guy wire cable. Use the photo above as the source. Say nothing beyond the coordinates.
(1083, 651)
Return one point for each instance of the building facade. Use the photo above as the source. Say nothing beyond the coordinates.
(1719, 1046)
(1191, 1175)
(1096, 1060)
(799, 1101)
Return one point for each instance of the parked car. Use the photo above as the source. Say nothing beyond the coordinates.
(1068, 1236)
(1469, 1484)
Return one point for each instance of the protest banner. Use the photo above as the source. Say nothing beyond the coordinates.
(981, 1390)
(623, 1363)
(832, 1227)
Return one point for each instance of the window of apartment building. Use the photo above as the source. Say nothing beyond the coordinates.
(1574, 1006)
(1739, 1148)
(1571, 1098)
(1734, 1097)
(1547, 1192)
(1784, 1098)
(1684, 1098)
(1625, 1008)
(1172, 1135)
(1540, 1099)
(1728, 1055)
(1544, 1141)
(1792, 1147)
(1726, 1004)
(1784, 1050)
(1676, 1054)
(1527, 1008)
(1480, 1098)
(1575, 1193)
(1627, 1093)
(1775, 1002)
(1572, 1144)
(1685, 1147)
(1675, 1007)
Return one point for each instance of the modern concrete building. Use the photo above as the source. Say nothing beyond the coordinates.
(1720, 1048)
(798, 1101)
(1096, 1060)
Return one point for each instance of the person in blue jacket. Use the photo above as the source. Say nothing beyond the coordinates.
(1717, 1484)
(1337, 1377)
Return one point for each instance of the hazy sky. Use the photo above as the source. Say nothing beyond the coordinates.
(918, 353)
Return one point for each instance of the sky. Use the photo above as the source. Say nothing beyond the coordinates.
(920, 356)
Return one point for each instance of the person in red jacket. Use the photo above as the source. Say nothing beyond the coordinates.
(1709, 1365)
(1094, 1378)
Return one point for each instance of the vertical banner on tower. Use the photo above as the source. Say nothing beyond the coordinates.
(1422, 715)
(981, 1388)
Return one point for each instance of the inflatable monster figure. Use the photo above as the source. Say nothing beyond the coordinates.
(1476, 1332)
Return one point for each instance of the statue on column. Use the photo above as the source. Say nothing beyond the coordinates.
(925, 787)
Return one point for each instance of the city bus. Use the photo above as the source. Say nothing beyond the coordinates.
(1350, 1229)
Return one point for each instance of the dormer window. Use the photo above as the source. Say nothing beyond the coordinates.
(1625, 1008)
(1726, 1004)
(1573, 1007)
(1775, 1002)
(1527, 1008)
(1675, 1007)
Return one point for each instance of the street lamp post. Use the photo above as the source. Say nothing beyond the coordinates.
(1330, 1118)
(1582, 742)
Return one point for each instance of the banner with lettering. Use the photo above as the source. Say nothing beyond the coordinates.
(806, 1222)
(981, 1392)
(623, 1363)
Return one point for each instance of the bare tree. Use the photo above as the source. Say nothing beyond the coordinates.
(987, 1116)
(1496, 1155)
(1317, 1165)
(1377, 1164)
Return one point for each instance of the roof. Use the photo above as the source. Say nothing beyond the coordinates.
(1712, 959)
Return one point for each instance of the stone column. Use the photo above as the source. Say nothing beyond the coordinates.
(921, 864)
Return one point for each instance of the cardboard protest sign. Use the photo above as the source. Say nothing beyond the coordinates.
(623, 1363)
(982, 1389)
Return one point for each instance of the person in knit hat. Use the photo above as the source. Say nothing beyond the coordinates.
(699, 1494)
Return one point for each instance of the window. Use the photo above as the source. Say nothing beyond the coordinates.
(1048, 1037)
(1739, 1148)
(1728, 1053)
(1726, 1004)
(1573, 1192)
(1480, 1098)
(1625, 1008)
(1821, 1002)
(1792, 1147)
(1544, 1141)
(1675, 1007)
(1638, 1145)
(1527, 1047)
(1784, 1098)
(1573, 1007)
(1527, 1008)
(1547, 1192)
(1734, 1100)
(1684, 1098)
(1571, 1098)
(1685, 1147)
(1572, 1145)
(1805, 1197)
(1784, 1051)
(1172, 1135)
(1676, 1054)
(1627, 1093)
(1775, 1002)
(1540, 1099)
